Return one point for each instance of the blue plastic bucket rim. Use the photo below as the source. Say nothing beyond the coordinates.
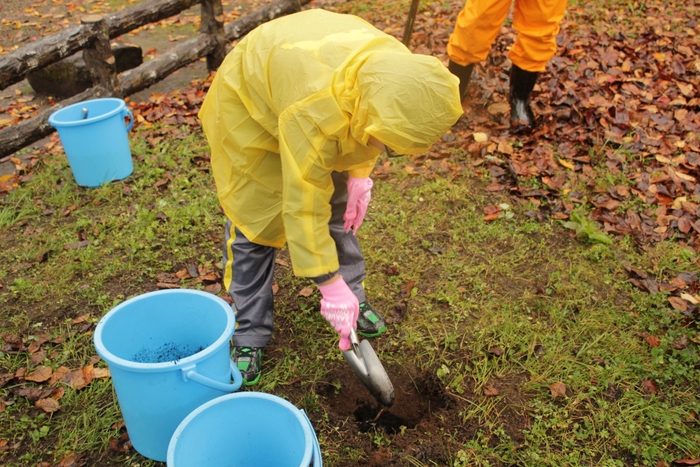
(121, 105)
(309, 436)
(168, 366)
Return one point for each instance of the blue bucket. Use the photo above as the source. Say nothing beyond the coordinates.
(247, 429)
(96, 142)
(168, 353)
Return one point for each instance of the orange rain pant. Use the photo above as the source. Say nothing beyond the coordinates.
(479, 22)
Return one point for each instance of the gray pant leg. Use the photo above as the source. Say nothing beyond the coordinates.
(352, 263)
(251, 289)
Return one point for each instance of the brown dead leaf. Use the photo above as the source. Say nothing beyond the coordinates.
(490, 391)
(6, 378)
(275, 289)
(48, 405)
(72, 460)
(282, 262)
(558, 389)
(687, 462)
(491, 213)
(57, 393)
(59, 375)
(214, 288)
(75, 379)
(678, 303)
(654, 341)
(497, 108)
(39, 375)
(37, 358)
(121, 444)
(100, 372)
(81, 319)
(36, 344)
(649, 387)
(88, 373)
(306, 291)
(496, 351)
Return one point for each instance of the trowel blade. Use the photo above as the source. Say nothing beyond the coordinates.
(378, 382)
(365, 364)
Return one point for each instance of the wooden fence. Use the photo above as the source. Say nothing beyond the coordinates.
(92, 36)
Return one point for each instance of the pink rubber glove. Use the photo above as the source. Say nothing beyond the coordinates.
(359, 194)
(340, 308)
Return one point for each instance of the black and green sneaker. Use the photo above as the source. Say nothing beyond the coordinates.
(370, 323)
(249, 361)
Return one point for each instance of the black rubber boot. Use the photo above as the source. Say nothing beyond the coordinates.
(521, 84)
(464, 73)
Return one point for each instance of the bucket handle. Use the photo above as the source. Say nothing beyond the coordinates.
(317, 461)
(190, 373)
(127, 113)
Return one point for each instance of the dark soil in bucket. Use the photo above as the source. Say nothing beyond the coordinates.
(168, 352)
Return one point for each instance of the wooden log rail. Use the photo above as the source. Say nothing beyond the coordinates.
(93, 38)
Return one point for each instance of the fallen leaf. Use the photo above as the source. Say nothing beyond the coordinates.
(558, 389)
(58, 393)
(649, 387)
(566, 164)
(480, 137)
(71, 460)
(490, 391)
(81, 319)
(39, 375)
(306, 291)
(48, 405)
(654, 341)
(690, 298)
(678, 303)
(102, 372)
(75, 379)
(496, 351)
(498, 108)
(59, 375)
(275, 289)
(687, 462)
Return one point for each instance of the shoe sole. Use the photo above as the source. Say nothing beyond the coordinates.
(247, 383)
(379, 332)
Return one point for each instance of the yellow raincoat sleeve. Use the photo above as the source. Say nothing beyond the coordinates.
(309, 148)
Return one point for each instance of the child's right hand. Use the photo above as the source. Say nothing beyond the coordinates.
(341, 308)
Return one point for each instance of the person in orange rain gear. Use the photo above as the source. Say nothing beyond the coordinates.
(537, 25)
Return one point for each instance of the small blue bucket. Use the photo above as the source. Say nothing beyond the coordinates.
(247, 429)
(95, 140)
(168, 353)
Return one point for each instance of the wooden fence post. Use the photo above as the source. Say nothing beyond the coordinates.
(213, 24)
(99, 57)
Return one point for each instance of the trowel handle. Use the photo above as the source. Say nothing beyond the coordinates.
(353, 338)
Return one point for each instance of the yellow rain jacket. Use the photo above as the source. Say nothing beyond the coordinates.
(479, 22)
(297, 99)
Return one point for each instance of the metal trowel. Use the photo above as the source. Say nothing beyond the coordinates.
(366, 365)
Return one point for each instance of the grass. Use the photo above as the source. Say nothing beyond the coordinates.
(558, 308)
(514, 305)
